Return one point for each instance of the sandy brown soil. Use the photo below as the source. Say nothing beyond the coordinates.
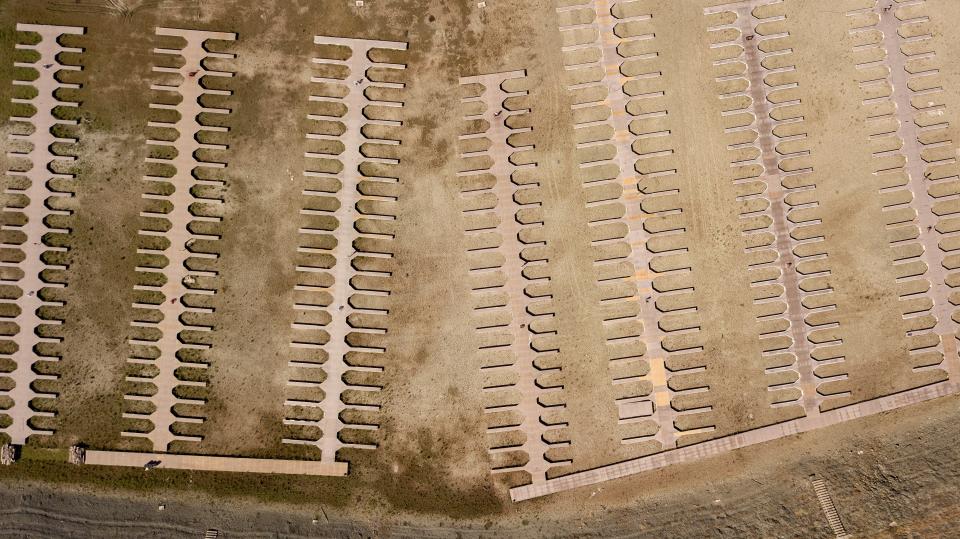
(431, 471)
(728, 324)
(893, 478)
(253, 305)
(877, 361)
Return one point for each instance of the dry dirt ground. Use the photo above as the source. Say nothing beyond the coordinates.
(891, 475)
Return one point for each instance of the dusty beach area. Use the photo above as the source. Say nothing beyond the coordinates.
(474, 268)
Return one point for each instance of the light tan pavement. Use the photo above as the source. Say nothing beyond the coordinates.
(179, 278)
(357, 96)
(525, 401)
(37, 193)
(214, 464)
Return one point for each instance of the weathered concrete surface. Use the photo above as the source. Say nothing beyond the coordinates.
(179, 278)
(215, 464)
(38, 193)
(512, 388)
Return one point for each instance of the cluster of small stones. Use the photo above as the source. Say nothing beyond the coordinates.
(8, 454)
(76, 455)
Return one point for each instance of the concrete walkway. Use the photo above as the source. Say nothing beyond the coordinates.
(215, 464)
(37, 194)
(516, 336)
(330, 403)
(178, 278)
(655, 406)
(729, 443)
(770, 159)
(638, 236)
(910, 104)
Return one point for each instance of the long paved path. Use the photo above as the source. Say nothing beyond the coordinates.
(521, 319)
(611, 59)
(901, 79)
(177, 274)
(359, 91)
(215, 464)
(724, 445)
(758, 90)
(37, 193)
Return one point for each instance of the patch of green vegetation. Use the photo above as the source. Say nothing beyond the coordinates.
(72, 41)
(137, 425)
(67, 95)
(205, 136)
(160, 188)
(29, 452)
(21, 91)
(191, 374)
(49, 293)
(158, 206)
(212, 120)
(23, 73)
(26, 56)
(291, 490)
(64, 131)
(158, 243)
(22, 110)
(60, 185)
(138, 406)
(211, 174)
(162, 133)
(141, 370)
(56, 239)
(7, 39)
(45, 405)
(64, 166)
(71, 58)
(45, 367)
(190, 355)
(7, 365)
(26, 38)
(167, 116)
(53, 276)
(191, 392)
(66, 113)
(162, 152)
(151, 278)
(209, 156)
(161, 170)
